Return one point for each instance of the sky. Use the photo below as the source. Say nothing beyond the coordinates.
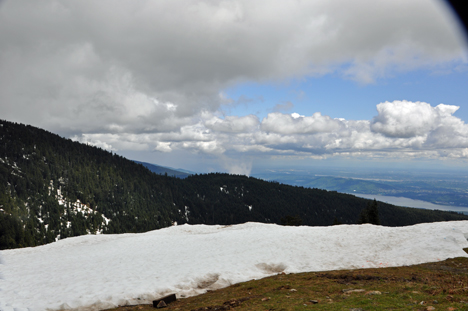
(76, 273)
(235, 85)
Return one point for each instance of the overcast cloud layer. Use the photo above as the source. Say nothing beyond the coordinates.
(149, 75)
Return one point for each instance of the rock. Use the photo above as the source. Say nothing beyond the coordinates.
(293, 290)
(314, 301)
(161, 304)
(350, 290)
(266, 298)
(166, 299)
(430, 308)
(374, 292)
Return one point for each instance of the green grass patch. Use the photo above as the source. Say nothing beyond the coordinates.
(442, 285)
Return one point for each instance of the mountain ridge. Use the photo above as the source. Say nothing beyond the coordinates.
(162, 170)
(53, 188)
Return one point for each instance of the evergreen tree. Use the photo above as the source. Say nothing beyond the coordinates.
(336, 222)
(370, 214)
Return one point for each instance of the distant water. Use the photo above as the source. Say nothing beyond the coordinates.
(401, 201)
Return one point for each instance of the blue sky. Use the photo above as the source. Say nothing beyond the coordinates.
(235, 85)
(337, 97)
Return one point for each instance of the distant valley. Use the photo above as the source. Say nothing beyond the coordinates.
(437, 187)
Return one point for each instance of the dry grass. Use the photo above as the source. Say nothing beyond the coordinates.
(441, 285)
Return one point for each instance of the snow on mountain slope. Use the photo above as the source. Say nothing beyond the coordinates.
(103, 271)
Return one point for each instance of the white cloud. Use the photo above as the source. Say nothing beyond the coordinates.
(451, 133)
(163, 146)
(419, 125)
(405, 119)
(233, 124)
(277, 122)
(401, 129)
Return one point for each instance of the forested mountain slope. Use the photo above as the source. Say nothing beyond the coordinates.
(52, 188)
(234, 199)
(60, 188)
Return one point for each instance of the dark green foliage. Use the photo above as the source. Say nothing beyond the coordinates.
(271, 201)
(291, 221)
(370, 214)
(37, 168)
(336, 222)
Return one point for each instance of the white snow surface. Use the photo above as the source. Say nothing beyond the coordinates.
(102, 271)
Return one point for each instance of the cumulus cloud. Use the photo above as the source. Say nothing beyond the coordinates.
(401, 129)
(233, 124)
(419, 125)
(295, 124)
(406, 119)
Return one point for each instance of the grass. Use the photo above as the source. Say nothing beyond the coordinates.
(440, 285)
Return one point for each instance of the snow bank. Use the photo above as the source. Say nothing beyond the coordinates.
(103, 271)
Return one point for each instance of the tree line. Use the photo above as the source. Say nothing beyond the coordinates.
(43, 176)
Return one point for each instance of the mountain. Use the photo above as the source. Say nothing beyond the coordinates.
(161, 170)
(52, 188)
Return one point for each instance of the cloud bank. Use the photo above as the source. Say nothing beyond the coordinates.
(400, 129)
(149, 75)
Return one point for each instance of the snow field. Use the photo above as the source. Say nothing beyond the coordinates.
(103, 271)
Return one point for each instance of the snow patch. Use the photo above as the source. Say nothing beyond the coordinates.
(106, 220)
(187, 212)
(80, 273)
(76, 207)
(224, 189)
